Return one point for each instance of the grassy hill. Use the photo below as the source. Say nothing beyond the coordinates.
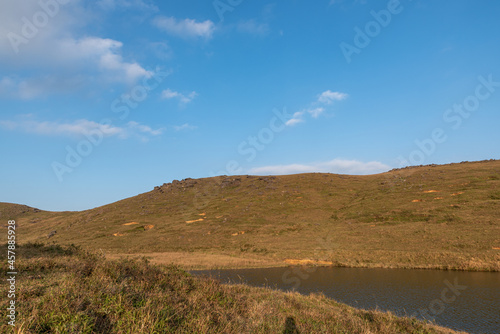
(10, 211)
(422, 217)
(67, 290)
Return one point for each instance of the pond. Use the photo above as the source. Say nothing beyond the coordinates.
(468, 301)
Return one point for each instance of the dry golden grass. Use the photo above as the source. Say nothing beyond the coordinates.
(361, 221)
(307, 262)
(194, 260)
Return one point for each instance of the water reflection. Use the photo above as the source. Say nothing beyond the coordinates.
(467, 301)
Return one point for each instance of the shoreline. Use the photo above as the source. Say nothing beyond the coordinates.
(206, 261)
(174, 300)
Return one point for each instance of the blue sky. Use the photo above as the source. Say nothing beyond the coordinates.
(102, 100)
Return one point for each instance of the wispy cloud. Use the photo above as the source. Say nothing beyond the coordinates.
(140, 128)
(183, 99)
(316, 111)
(328, 97)
(318, 107)
(186, 28)
(57, 51)
(185, 126)
(78, 128)
(96, 58)
(105, 53)
(296, 119)
(337, 166)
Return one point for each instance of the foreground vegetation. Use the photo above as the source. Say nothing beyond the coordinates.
(443, 217)
(68, 290)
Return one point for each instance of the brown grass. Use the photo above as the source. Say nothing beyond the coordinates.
(199, 260)
(67, 290)
(361, 221)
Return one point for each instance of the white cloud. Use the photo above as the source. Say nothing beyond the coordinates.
(77, 128)
(337, 166)
(325, 98)
(103, 52)
(74, 63)
(56, 53)
(26, 89)
(183, 99)
(143, 128)
(316, 112)
(13, 25)
(328, 97)
(184, 126)
(186, 28)
(169, 94)
(296, 119)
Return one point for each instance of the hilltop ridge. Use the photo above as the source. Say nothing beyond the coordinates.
(437, 216)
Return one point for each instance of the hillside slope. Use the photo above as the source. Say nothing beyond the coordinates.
(10, 211)
(423, 217)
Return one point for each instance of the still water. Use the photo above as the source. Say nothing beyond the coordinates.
(468, 301)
